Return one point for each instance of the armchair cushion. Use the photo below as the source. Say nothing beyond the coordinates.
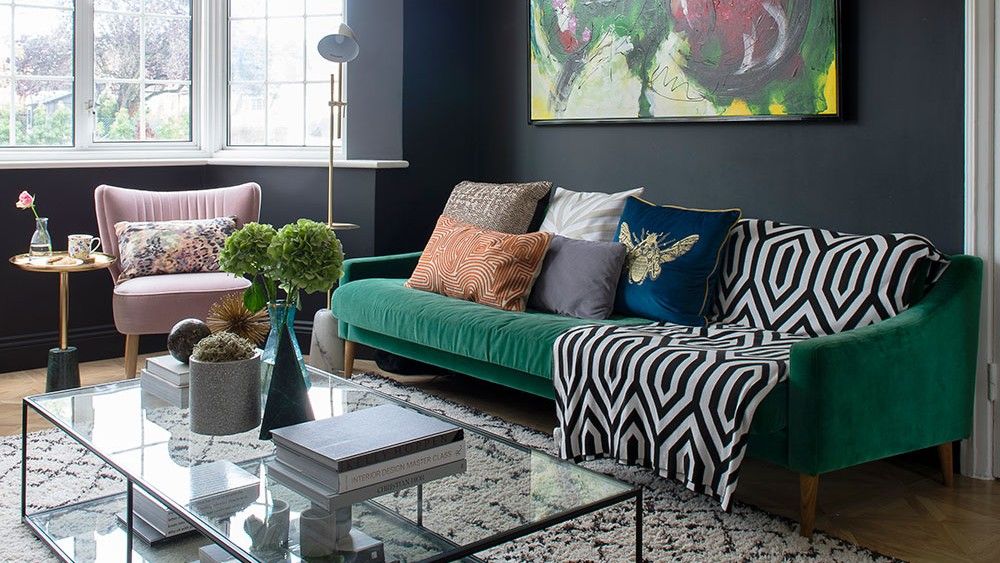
(153, 304)
(149, 248)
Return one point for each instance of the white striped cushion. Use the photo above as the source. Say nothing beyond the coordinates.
(589, 216)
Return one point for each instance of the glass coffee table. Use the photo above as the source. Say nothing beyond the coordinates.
(506, 490)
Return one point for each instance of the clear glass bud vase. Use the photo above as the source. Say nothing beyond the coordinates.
(41, 242)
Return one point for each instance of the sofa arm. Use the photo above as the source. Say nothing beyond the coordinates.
(901, 385)
(395, 266)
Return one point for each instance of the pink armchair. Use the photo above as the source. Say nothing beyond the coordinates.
(153, 304)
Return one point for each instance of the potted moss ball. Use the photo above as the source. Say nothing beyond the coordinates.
(225, 385)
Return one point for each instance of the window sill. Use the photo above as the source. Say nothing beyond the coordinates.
(147, 161)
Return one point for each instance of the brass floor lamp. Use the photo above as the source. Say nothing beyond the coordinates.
(341, 47)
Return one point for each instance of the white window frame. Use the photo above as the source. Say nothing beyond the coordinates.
(209, 111)
(302, 155)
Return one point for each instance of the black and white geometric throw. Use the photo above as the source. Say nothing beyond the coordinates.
(803, 280)
(674, 398)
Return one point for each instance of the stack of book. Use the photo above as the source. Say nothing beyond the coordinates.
(167, 379)
(215, 490)
(364, 454)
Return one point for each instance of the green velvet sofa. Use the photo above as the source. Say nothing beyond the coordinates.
(866, 394)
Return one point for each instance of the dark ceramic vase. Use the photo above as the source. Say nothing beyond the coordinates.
(287, 395)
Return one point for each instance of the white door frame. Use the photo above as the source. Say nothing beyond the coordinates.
(980, 453)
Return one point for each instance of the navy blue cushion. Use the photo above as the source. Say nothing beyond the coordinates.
(672, 262)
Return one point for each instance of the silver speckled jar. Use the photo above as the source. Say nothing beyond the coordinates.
(225, 397)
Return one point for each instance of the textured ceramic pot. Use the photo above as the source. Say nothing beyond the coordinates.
(225, 396)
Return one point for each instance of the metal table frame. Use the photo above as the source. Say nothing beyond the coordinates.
(459, 551)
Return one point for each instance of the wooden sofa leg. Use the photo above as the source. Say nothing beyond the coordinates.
(348, 359)
(131, 355)
(947, 464)
(809, 490)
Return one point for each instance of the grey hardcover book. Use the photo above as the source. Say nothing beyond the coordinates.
(147, 533)
(361, 438)
(169, 369)
(164, 390)
(331, 501)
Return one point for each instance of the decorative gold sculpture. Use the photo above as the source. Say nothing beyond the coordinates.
(230, 315)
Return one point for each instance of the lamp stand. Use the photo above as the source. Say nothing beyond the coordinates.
(337, 105)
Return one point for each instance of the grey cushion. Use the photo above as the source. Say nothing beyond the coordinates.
(579, 278)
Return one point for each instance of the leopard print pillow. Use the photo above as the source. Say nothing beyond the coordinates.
(171, 247)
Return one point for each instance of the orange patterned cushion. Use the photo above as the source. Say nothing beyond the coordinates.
(487, 267)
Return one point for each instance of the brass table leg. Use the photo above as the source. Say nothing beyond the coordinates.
(64, 368)
(63, 310)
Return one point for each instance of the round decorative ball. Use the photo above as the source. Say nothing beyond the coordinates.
(183, 337)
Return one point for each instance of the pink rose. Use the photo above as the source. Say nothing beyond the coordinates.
(25, 200)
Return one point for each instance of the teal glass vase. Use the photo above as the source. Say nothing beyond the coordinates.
(282, 320)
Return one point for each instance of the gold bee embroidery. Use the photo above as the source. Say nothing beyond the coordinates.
(644, 254)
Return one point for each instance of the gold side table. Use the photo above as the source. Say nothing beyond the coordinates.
(64, 368)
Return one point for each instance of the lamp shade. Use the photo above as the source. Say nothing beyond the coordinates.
(340, 47)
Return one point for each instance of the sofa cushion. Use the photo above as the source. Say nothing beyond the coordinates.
(803, 280)
(579, 278)
(507, 208)
(153, 304)
(488, 267)
(585, 215)
(520, 341)
(671, 261)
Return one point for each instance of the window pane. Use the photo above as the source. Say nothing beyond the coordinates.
(116, 46)
(143, 67)
(117, 110)
(52, 3)
(285, 7)
(285, 114)
(5, 130)
(246, 8)
(285, 49)
(36, 74)
(168, 48)
(246, 115)
(278, 84)
(324, 7)
(246, 58)
(318, 114)
(118, 5)
(168, 116)
(318, 68)
(44, 115)
(5, 15)
(43, 42)
(172, 7)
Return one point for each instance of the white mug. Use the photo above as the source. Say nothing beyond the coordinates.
(80, 246)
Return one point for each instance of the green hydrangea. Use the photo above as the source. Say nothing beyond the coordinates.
(246, 251)
(307, 256)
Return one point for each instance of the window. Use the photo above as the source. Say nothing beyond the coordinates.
(36, 73)
(165, 79)
(279, 86)
(142, 70)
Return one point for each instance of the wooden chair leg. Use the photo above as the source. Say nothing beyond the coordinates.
(348, 359)
(131, 355)
(809, 491)
(947, 464)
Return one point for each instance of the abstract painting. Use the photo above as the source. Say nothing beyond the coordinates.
(650, 60)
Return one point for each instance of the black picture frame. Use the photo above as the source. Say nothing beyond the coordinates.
(832, 117)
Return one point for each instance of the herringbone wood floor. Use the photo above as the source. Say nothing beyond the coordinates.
(897, 507)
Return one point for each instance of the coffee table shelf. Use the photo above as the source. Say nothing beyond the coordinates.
(507, 492)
